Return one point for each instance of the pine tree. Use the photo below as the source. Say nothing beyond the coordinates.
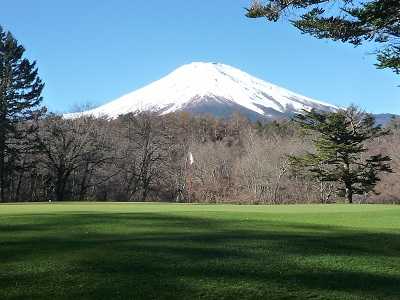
(340, 140)
(350, 21)
(20, 98)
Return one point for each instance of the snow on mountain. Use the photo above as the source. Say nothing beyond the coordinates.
(210, 88)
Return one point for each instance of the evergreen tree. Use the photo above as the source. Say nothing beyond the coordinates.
(340, 142)
(20, 90)
(343, 20)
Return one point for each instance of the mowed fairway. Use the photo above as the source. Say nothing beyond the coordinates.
(168, 251)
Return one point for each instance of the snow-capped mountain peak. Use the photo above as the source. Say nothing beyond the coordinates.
(210, 88)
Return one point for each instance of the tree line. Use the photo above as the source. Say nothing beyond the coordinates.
(144, 157)
(315, 157)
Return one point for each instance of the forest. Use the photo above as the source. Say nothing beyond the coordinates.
(177, 157)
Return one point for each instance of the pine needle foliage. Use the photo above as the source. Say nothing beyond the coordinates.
(20, 99)
(340, 140)
(349, 21)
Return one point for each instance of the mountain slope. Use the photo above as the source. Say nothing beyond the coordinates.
(210, 88)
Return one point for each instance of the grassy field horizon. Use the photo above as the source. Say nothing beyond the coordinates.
(183, 251)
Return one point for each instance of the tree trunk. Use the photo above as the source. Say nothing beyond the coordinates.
(60, 186)
(18, 188)
(83, 186)
(60, 191)
(349, 193)
(348, 183)
(2, 177)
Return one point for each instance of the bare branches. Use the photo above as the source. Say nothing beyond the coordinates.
(145, 158)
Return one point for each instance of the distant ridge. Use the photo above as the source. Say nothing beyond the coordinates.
(384, 119)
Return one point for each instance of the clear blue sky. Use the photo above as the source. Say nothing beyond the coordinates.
(97, 50)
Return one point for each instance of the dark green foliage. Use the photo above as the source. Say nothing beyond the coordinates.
(20, 90)
(343, 20)
(340, 149)
(281, 128)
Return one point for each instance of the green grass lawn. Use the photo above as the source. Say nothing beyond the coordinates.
(168, 251)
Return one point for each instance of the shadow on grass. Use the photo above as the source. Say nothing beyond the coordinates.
(161, 256)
